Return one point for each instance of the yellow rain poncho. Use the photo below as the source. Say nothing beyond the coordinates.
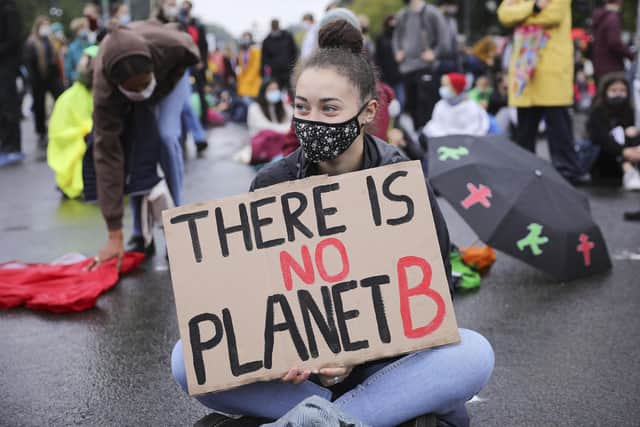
(70, 122)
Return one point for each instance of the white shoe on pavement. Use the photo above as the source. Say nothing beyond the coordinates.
(631, 180)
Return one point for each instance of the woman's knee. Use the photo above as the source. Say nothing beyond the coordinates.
(478, 355)
(177, 366)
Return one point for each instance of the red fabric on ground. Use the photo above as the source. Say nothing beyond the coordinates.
(60, 288)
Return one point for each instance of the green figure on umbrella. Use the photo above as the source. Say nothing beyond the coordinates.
(533, 240)
(446, 153)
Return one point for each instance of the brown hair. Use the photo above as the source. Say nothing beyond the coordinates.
(340, 49)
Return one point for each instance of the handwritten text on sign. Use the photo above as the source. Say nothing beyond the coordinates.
(312, 273)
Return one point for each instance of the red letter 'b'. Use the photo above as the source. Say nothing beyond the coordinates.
(422, 289)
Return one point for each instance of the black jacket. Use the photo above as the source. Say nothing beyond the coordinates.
(376, 153)
(10, 36)
(279, 52)
(385, 60)
(607, 169)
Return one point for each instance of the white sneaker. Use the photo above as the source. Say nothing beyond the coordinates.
(631, 180)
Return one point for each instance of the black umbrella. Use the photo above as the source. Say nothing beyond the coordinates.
(518, 203)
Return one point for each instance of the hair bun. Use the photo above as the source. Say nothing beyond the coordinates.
(340, 34)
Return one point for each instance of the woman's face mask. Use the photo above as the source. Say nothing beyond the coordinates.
(170, 12)
(322, 141)
(273, 96)
(44, 31)
(143, 94)
(124, 19)
(446, 92)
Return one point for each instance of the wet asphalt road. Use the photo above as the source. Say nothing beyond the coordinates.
(566, 353)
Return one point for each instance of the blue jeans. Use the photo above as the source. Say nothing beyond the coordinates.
(438, 380)
(168, 112)
(192, 122)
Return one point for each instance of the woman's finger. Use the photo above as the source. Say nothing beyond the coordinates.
(334, 372)
(95, 262)
(290, 376)
(301, 377)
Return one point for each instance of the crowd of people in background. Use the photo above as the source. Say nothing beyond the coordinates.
(432, 82)
(114, 102)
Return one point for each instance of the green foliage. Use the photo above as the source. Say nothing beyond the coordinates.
(376, 11)
(29, 9)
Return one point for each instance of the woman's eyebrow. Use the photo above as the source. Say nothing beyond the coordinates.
(330, 99)
(301, 98)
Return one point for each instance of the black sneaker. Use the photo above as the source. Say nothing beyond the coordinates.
(201, 146)
(632, 216)
(219, 420)
(136, 244)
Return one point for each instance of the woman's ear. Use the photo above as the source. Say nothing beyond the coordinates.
(369, 113)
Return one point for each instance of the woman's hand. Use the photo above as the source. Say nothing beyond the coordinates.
(112, 249)
(333, 376)
(296, 376)
(631, 132)
(542, 3)
(631, 154)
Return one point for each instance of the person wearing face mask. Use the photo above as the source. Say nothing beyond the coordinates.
(335, 102)
(96, 30)
(609, 51)
(166, 12)
(389, 72)
(41, 60)
(248, 65)
(455, 114)
(120, 15)
(611, 128)
(269, 112)
(269, 121)
(449, 58)
(141, 63)
(279, 53)
(80, 28)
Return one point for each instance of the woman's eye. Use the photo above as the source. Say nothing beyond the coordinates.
(300, 107)
(330, 109)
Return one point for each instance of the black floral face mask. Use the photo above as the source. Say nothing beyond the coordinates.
(322, 141)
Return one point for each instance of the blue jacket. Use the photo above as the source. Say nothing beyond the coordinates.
(141, 145)
(72, 57)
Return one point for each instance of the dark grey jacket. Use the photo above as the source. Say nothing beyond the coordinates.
(376, 153)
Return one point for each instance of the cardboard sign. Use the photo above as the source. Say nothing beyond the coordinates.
(312, 273)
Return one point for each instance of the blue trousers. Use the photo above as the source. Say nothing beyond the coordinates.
(438, 380)
(168, 113)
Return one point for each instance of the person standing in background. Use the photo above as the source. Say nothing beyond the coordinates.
(199, 35)
(44, 72)
(310, 40)
(449, 58)
(80, 28)
(419, 39)
(10, 112)
(609, 51)
(385, 61)
(279, 55)
(549, 93)
(120, 15)
(96, 29)
(248, 69)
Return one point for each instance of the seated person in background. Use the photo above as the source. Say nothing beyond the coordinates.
(455, 114)
(268, 112)
(269, 121)
(610, 127)
(481, 92)
(481, 58)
